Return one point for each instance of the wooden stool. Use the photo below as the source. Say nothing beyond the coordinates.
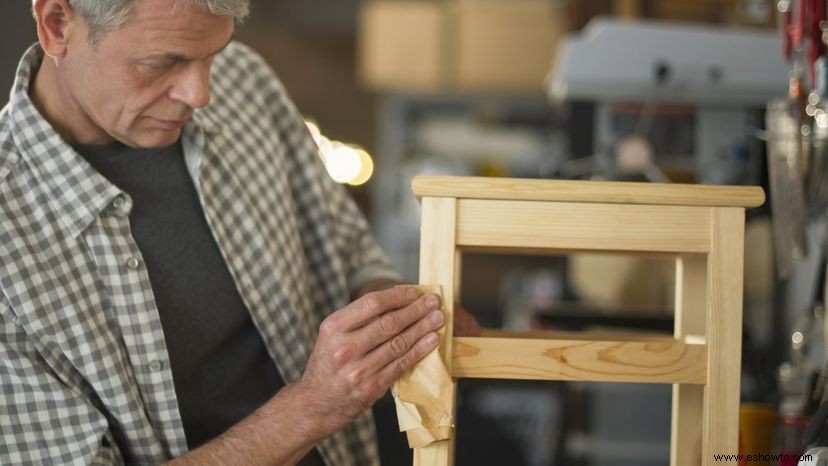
(700, 226)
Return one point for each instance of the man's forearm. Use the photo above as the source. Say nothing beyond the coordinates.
(275, 434)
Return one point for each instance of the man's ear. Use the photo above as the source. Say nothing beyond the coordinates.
(54, 18)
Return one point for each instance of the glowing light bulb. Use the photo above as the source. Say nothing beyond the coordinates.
(366, 168)
(343, 163)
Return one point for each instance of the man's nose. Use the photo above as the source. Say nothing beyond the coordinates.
(192, 85)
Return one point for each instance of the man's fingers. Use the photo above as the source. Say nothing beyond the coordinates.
(401, 344)
(391, 324)
(395, 369)
(367, 308)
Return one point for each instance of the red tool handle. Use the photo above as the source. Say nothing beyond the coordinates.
(816, 47)
(801, 22)
(787, 32)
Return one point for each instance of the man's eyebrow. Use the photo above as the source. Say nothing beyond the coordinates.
(172, 56)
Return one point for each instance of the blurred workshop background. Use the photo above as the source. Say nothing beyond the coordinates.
(691, 91)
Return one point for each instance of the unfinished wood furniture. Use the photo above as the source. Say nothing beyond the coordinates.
(701, 227)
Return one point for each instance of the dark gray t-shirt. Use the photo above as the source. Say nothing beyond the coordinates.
(220, 365)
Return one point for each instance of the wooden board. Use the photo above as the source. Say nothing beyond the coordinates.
(664, 361)
(437, 269)
(612, 192)
(688, 400)
(720, 419)
(582, 227)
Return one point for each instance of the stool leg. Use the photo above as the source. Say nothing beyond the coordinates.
(688, 400)
(437, 267)
(720, 428)
(437, 454)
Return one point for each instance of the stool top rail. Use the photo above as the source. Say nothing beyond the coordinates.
(611, 192)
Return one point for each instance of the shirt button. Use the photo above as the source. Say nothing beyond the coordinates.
(155, 366)
(118, 202)
(133, 263)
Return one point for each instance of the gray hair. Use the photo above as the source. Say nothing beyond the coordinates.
(107, 15)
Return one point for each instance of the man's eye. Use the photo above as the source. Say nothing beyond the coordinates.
(159, 66)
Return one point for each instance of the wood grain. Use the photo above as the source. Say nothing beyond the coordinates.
(688, 400)
(582, 227)
(585, 335)
(438, 254)
(720, 419)
(611, 192)
(662, 361)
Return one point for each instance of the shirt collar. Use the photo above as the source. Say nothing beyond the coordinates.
(75, 191)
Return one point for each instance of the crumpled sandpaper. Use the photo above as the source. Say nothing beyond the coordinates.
(424, 396)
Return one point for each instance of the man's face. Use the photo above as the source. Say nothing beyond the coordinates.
(139, 84)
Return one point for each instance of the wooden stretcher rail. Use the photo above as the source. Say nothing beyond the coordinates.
(656, 361)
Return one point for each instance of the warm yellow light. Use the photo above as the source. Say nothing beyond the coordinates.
(366, 168)
(343, 163)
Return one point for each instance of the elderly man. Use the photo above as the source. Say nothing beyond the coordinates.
(176, 270)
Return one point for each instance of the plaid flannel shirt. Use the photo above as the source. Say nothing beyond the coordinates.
(84, 370)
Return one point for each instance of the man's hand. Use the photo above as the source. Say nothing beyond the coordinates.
(465, 324)
(362, 349)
